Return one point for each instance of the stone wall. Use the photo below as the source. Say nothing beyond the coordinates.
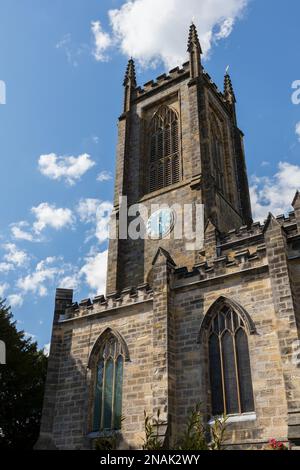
(74, 390)
(252, 291)
(195, 101)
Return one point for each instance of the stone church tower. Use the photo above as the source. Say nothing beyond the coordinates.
(218, 325)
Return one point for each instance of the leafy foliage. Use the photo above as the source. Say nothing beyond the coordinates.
(152, 440)
(196, 435)
(106, 443)
(22, 382)
(218, 430)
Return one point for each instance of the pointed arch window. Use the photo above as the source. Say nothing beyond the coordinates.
(229, 364)
(107, 409)
(164, 167)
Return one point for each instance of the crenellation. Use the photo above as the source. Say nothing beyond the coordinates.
(174, 71)
(164, 302)
(99, 299)
(115, 300)
(85, 303)
(163, 77)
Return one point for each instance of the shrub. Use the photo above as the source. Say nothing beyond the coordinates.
(152, 439)
(196, 435)
(276, 445)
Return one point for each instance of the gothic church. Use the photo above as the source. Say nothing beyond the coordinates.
(218, 326)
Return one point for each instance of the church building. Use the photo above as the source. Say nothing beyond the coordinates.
(217, 326)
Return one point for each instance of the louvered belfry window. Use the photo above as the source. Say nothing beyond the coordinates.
(165, 168)
(229, 362)
(217, 149)
(108, 386)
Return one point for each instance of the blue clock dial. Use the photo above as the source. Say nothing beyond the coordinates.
(160, 224)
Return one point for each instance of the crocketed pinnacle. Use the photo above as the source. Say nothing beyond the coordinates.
(193, 42)
(130, 75)
(228, 89)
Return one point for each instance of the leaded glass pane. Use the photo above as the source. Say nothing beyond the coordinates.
(108, 393)
(230, 374)
(216, 324)
(118, 393)
(221, 323)
(98, 398)
(244, 369)
(228, 321)
(216, 376)
(235, 320)
(230, 379)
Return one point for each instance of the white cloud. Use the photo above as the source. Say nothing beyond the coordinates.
(151, 30)
(104, 176)
(96, 212)
(48, 215)
(14, 256)
(70, 282)
(298, 130)
(3, 288)
(102, 41)
(6, 267)
(94, 272)
(72, 51)
(87, 209)
(275, 194)
(20, 231)
(65, 45)
(15, 300)
(38, 280)
(67, 168)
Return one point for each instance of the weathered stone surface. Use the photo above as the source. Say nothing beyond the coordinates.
(159, 293)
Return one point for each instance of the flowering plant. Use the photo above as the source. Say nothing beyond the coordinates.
(276, 445)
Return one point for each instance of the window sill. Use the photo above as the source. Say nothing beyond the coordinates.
(108, 433)
(235, 418)
(164, 190)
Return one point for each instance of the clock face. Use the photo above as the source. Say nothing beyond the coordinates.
(161, 223)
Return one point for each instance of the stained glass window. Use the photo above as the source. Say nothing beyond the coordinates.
(229, 362)
(244, 370)
(108, 386)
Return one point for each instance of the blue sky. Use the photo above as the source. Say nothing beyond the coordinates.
(63, 64)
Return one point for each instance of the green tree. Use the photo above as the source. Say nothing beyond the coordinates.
(22, 382)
